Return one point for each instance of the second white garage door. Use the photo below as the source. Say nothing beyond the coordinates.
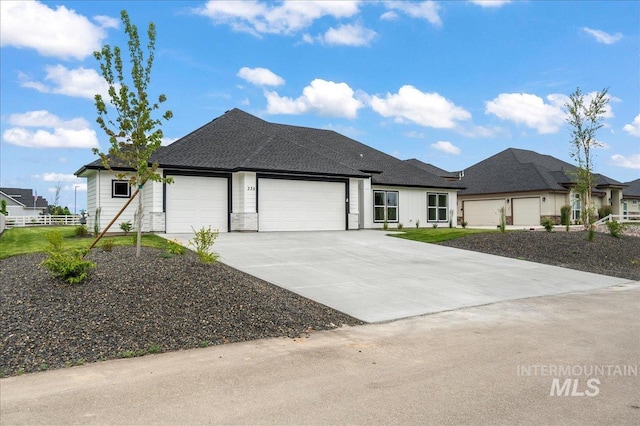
(195, 201)
(526, 211)
(484, 212)
(298, 205)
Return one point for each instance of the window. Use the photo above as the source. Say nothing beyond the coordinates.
(120, 189)
(575, 207)
(437, 207)
(385, 206)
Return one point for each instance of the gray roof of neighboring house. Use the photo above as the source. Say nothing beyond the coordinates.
(632, 190)
(433, 169)
(24, 197)
(519, 170)
(238, 141)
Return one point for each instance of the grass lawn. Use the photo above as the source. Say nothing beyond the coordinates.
(437, 235)
(26, 240)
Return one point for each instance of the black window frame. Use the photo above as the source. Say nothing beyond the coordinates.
(116, 182)
(386, 206)
(437, 208)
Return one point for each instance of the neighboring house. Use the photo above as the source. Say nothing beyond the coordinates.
(435, 170)
(22, 202)
(241, 173)
(631, 198)
(530, 187)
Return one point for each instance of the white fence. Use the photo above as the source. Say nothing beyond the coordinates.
(626, 217)
(17, 221)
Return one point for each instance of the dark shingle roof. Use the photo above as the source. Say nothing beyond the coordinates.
(239, 141)
(432, 169)
(516, 170)
(25, 197)
(632, 190)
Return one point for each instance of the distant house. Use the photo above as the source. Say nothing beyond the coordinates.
(22, 202)
(529, 186)
(631, 198)
(241, 173)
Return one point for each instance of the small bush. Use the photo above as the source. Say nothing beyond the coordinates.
(434, 225)
(68, 265)
(417, 223)
(202, 241)
(464, 223)
(81, 231)
(592, 233)
(548, 224)
(565, 215)
(174, 247)
(126, 227)
(400, 226)
(503, 220)
(615, 228)
(385, 225)
(96, 221)
(107, 244)
(604, 211)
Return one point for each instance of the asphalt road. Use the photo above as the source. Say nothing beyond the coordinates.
(492, 364)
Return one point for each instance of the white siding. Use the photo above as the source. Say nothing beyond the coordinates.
(298, 205)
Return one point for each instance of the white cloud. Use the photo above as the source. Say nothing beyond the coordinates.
(107, 21)
(634, 128)
(446, 147)
(73, 133)
(79, 82)
(421, 10)
(325, 98)
(349, 35)
(389, 16)
(58, 32)
(529, 110)
(57, 177)
(423, 108)
(414, 135)
(630, 162)
(168, 141)
(260, 76)
(602, 37)
(490, 3)
(266, 18)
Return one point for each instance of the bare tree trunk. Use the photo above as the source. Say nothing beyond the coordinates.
(93, 244)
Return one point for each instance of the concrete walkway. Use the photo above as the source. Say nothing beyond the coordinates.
(375, 278)
(461, 367)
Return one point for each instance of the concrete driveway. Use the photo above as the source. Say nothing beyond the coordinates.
(374, 277)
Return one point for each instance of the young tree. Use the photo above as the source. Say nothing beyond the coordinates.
(134, 133)
(585, 117)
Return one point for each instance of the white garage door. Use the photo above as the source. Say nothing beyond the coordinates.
(526, 211)
(298, 205)
(480, 213)
(195, 201)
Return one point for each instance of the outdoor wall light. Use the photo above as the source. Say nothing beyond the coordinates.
(544, 199)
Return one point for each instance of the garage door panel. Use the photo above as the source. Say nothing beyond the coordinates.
(196, 202)
(482, 212)
(526, 211)
(297, 205)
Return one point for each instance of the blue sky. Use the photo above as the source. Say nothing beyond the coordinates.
(449, 83)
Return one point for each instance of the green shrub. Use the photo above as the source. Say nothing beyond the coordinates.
(434, 225)
(81, 231)
(615, 228)
(107, 244)
(503, 220)
(400, 225)
(385, 225)
(548, 224)
(202, 241)
(464, 223)
(174, 247)
(604, 211)
(96, 222)
(592, 232)
(417, 223)
(126, 227)
(565, 215)
(68, 265)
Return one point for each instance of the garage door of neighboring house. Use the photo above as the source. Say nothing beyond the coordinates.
(196, 201)
(299, 205)
(482, 212)
(526, 211)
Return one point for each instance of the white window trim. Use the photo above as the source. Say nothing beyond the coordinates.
(385, 206)
(438, 208)
(113, 189)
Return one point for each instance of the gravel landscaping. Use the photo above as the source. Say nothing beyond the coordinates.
(131, 307)
(606, 255)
